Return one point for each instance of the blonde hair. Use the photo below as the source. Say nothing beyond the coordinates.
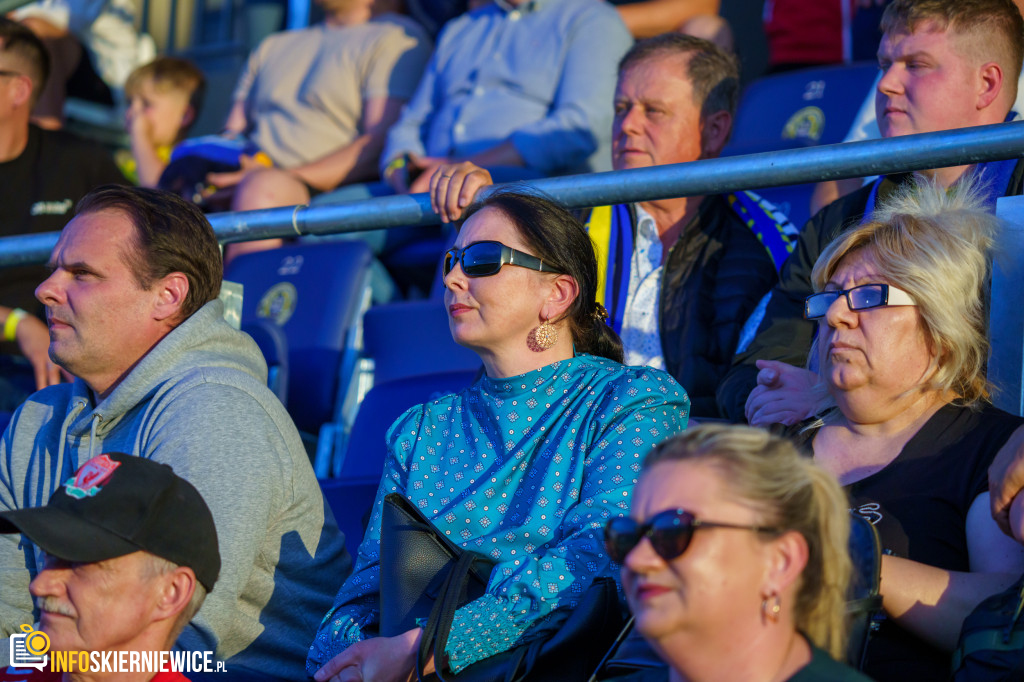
(767, 474)
(170, 74)
(934, 244)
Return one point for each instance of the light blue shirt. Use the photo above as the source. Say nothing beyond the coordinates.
(541, 75)
(525, 470)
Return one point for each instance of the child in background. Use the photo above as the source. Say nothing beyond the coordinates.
(164, 97)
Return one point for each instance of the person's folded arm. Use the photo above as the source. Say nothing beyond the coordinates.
(653, 17)
(1006, 481)
(932, 602)
(356, 161)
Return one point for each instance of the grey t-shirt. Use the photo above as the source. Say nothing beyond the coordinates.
(304, 90)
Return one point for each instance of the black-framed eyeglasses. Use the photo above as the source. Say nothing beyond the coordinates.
(669, 531)
(863, 297)
(482, 259)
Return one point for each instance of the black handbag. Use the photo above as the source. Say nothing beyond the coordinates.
(425, 575)
(991, 646)
(415, 561)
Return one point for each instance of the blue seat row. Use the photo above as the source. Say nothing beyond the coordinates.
(799, 109)
(351, 493)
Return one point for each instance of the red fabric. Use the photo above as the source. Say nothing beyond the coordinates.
(805, 31)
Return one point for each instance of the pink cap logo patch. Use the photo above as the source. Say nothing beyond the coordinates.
(90, 477)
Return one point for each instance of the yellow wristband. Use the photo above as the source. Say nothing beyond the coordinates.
(11, 325)
(396, 163)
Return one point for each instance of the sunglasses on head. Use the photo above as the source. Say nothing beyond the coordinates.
(483, 259)
(669, 532)
(863, 297)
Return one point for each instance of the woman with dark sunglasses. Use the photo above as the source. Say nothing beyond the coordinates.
(734, 559)
(525, 465)
(901, 349)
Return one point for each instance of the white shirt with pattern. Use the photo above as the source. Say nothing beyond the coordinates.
(641, 339)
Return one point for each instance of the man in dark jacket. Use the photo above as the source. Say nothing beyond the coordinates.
(679, 276)
(946, 65)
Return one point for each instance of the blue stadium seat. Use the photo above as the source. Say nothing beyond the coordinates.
(351, 493)
(410, 338)
(274, 346)
(316, 294)
(800, 108)
(350, 503)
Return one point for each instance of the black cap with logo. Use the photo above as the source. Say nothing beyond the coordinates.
(117, 504)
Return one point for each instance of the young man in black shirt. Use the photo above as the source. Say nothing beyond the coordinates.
(42, 174)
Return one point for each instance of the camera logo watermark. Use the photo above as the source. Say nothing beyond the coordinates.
(31, 649)
(28, 648)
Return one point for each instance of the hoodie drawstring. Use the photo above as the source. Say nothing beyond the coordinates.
(92, 435)
(62, 444)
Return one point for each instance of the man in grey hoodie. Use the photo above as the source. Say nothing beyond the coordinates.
(132, 311)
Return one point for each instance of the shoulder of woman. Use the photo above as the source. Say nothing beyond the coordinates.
(416, 417)
(980, 421)
(989, 413)
(638, 383)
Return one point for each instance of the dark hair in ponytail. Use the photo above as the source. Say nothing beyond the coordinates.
(559, 239)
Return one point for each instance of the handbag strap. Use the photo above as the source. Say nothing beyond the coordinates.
(442, 614)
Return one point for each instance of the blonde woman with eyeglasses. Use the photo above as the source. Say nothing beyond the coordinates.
(901, 348)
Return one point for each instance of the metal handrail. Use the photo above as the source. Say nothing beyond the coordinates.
(712, 176)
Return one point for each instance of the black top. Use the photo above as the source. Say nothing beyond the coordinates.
(919, 504)
(38, 192)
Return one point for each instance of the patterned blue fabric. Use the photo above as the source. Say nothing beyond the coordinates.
(525, 470)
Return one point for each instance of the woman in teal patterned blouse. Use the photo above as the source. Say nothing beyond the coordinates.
(527, 464)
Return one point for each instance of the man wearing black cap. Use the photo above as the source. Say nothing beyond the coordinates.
(130, 554)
